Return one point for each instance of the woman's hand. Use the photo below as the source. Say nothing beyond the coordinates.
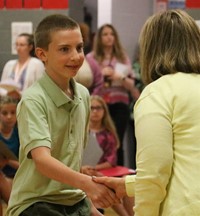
(90, 170)
(108, 71)
(114, 183)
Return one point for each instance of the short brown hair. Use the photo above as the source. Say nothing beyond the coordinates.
(51, 24)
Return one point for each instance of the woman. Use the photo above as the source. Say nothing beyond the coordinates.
(26, 69)
(118, 76)
(167, 119)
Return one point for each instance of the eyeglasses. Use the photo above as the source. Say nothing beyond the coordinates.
(20, 44)
(97, 108)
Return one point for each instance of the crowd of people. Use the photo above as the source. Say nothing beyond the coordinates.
(54, 95)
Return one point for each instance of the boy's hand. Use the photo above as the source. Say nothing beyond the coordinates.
(116, 184)
(100, 195)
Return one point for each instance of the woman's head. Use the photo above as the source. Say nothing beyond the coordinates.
(8, 107)
(25, 45)
(107, 37)
(100, 113)
(169, 43)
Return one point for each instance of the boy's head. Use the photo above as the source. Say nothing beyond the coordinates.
(50, 24)
(59, 44)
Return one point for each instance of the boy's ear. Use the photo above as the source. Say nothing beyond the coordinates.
(41, 54)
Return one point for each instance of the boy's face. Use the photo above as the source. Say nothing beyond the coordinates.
(65, 54)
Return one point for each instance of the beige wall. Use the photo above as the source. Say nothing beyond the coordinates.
(128, 17)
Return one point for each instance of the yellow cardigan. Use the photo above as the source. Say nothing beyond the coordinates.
(167, 122)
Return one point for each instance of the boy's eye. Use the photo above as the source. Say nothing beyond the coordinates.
(80, 48)
(64, 49)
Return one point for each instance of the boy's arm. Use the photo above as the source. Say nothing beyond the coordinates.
(101, 196)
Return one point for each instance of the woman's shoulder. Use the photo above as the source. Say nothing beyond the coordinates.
(35, 60)
(11, 62)
(171, 85)
(90, 57)
(106, 133)
(172, 80)
(90, 54)
(84, 75)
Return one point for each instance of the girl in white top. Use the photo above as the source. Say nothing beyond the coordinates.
(26, 69)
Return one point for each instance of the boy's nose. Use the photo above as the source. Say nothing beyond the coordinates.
(75, 55)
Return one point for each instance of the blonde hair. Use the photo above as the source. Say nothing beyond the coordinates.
(7, 100)
(118, 51)
(107, 121)
(169, 43)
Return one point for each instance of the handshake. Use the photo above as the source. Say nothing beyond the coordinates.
(112, 192)
(107, 191)
(114, 183)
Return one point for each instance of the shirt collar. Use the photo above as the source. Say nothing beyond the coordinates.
(56, 94)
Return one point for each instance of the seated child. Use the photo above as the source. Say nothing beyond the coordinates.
(8, 135)
(102, 125)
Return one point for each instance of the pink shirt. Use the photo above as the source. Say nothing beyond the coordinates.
(115, 93)
(108, 144)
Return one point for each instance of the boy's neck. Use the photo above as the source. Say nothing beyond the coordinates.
(69, 92)
(64, 85)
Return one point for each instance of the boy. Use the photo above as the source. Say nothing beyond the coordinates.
(53, 119)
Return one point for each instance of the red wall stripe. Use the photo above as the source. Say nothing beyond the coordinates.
(1, 3)
(13, 4)
(192, 4)
(32, 4)
(55, 4)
